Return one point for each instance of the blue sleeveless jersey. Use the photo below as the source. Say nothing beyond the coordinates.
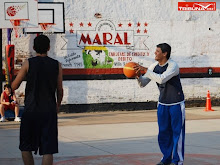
(170, 91)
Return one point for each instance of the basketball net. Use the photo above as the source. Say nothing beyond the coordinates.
(47, 28)
(18, 26)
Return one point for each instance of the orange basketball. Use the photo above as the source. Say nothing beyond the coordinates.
(128, 70)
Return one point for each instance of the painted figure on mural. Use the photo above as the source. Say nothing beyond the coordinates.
(97, 57)
(171, 105)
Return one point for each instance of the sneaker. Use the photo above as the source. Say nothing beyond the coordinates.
(17, 119)
(161, 163)
(2, 119)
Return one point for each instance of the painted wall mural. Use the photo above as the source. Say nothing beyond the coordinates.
(105, 43)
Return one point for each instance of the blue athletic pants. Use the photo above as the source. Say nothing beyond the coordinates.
(171, 122)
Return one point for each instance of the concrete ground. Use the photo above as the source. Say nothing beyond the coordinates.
(120, 138)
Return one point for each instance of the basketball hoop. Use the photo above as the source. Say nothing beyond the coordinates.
(18, 26)
(47, 28)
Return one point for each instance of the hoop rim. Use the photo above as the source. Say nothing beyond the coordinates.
(16, 23)
(19, 20)
(46, 26)
(47, 23)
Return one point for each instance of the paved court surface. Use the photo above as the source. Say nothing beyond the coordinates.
(120, 138)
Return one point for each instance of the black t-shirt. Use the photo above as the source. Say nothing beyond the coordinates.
(41, 84)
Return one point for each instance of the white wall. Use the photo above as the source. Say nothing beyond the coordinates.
(194, 37)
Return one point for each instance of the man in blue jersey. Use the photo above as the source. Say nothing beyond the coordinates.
(171, 106)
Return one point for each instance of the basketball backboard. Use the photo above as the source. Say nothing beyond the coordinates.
(18, 9)
(50, 12)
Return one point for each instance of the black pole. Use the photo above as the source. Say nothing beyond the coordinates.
(1, 75)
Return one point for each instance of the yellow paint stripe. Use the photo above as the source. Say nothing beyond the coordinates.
(95, 48)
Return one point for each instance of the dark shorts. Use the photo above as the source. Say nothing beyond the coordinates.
(38, 130)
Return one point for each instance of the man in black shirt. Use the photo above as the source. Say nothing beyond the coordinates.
(43, 96)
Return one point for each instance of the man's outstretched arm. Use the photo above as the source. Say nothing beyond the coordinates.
(59, 87)
(21, 75)
(142, 80)
(172, 70)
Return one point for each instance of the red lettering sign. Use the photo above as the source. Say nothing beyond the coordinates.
(117, 39)
(197, 6)
(85, 39)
